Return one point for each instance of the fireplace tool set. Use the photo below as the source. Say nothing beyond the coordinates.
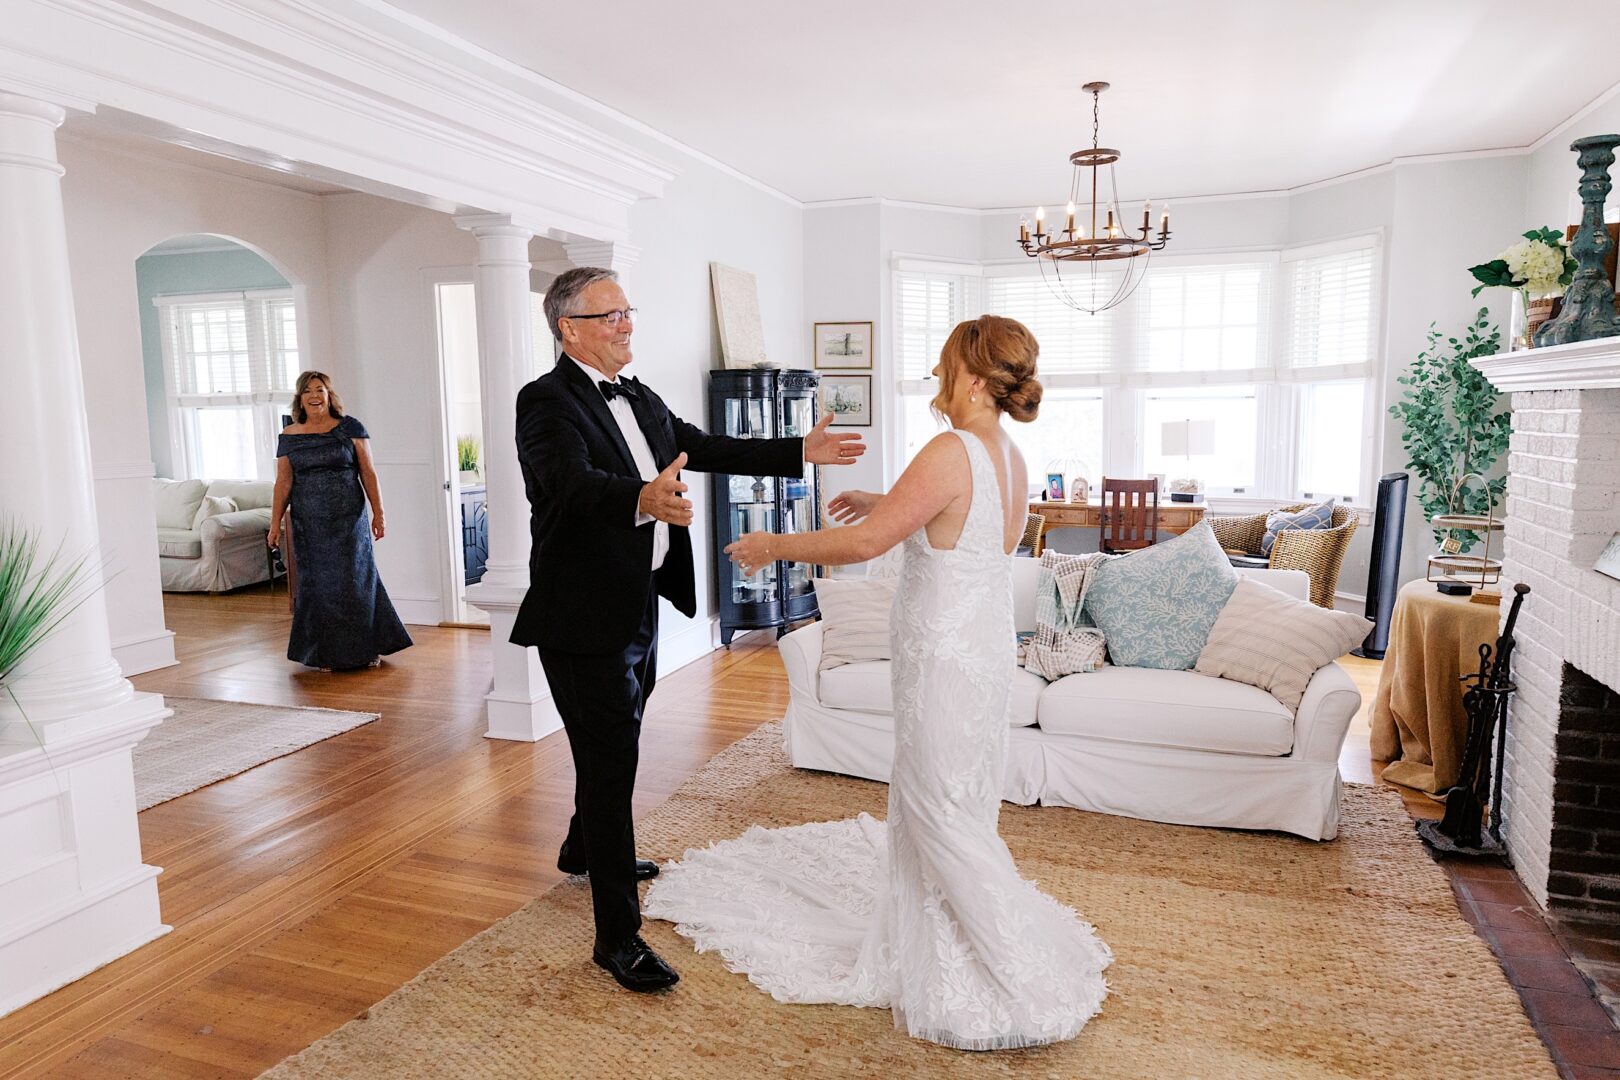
(1485, 701)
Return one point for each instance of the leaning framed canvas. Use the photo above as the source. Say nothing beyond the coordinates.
(843, 344)
(736, 309)
(848, 398)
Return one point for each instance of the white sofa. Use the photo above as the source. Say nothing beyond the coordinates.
(199, 553)
(1172, 746)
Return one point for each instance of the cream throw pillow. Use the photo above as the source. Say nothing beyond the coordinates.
(1268, 639)
(854, 619)
(212, 506)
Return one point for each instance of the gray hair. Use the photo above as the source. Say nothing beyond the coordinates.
(563, 296)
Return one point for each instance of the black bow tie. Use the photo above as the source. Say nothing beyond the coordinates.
(623, 388)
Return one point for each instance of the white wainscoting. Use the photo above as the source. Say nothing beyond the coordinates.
(408, 556)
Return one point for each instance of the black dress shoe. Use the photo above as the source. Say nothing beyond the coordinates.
(636, 967)
(645, 868)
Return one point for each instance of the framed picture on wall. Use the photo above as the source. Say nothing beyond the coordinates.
(843, 344)
(848, 398)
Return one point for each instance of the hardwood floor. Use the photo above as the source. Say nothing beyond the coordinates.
(305, 890)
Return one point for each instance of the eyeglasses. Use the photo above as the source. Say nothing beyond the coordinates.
(612, 318)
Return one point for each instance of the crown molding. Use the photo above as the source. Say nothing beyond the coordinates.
(333, 91)
(530, 77)
(1577, 116)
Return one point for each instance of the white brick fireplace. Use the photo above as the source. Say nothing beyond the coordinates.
(1560, 803)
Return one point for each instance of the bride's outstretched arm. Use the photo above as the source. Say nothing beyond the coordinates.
(936, 477)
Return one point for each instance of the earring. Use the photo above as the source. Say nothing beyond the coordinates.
(973, 399)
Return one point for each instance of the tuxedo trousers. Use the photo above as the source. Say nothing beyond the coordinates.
(601, 699)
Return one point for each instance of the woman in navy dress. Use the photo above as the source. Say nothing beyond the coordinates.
(341, 614)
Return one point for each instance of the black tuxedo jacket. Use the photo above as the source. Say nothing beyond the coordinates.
(590, 565)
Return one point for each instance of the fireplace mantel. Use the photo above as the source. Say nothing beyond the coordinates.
(1580, 365)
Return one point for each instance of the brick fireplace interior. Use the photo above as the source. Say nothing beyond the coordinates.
(1583, 867)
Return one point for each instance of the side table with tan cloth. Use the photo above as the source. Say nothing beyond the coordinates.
(1418, 722)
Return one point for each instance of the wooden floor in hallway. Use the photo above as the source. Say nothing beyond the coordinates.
(310, 887)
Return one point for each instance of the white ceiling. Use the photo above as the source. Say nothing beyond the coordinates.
(977, 104)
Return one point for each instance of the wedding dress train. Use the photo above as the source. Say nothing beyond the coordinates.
(926, 913)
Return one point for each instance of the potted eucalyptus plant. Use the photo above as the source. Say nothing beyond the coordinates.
(1453, 425)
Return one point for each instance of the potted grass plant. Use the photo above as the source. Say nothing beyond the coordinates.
(37, 594)
(467, 460)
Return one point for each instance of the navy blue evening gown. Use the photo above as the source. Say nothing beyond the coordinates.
(341, 614)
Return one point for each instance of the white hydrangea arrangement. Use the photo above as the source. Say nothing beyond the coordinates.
(1539, 266)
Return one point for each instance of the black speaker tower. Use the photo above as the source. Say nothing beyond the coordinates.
(1384, 565)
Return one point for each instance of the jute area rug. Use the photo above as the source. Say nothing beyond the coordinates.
(1243, 955)
(207, 740)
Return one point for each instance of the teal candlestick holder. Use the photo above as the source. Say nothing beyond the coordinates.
(1589, 301)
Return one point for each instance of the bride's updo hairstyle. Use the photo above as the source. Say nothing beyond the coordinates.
(1000, 351)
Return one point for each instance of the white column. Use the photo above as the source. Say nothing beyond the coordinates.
(519, 704)
(45, 478)
(609, 255)
(77, 895)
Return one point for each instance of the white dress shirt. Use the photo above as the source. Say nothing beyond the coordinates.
(641, 453)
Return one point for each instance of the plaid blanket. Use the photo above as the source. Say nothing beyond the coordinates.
(1065, 640)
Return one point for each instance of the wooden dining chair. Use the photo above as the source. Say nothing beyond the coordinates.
(1130, 515)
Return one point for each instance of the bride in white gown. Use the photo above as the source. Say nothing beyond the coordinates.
(925, 914)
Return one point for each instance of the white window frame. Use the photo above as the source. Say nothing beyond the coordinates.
(1125, 388)
(266, 398)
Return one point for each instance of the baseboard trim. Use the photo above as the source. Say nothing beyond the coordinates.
(692, 642)
(136, 656)
(417, 611)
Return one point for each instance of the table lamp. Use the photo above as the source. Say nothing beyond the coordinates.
(1187, 438)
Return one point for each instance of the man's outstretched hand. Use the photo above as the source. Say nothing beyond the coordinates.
(824, 448)
(662, 498)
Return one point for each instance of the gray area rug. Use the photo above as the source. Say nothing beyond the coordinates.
(208, 740)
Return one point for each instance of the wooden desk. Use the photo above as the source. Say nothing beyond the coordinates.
(1174, 518)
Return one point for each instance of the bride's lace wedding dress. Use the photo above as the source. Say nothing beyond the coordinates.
(925, 914)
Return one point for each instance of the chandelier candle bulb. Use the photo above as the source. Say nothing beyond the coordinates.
(1071, 217)
(1040, 220)
(1147, 216)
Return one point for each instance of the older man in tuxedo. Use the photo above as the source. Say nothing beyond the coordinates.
(602, 457)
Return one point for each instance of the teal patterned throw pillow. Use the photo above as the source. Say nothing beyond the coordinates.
(1156, 606)
(1319, 516)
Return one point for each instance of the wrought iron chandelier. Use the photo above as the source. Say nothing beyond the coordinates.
(1106, 263)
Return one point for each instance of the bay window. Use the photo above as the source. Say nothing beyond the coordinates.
(1267, 354)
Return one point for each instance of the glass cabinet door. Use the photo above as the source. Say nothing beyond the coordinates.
(798, 415)
(798, 515)
(753, 498)
(753, 509)
(798, 495)
(750, 418)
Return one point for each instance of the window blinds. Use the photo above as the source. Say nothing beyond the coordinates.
(927, 308)
(1330, 301)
